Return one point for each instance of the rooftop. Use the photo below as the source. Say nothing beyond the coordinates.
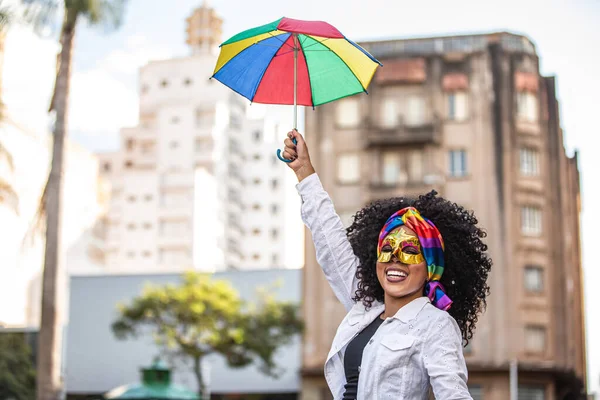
(448, 44)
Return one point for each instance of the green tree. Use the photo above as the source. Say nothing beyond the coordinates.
(202, 316)
(17, 373)
(41, 14)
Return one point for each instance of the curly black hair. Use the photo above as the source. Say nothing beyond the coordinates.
(466, 262)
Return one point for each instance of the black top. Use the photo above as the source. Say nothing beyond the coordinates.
(353, 358)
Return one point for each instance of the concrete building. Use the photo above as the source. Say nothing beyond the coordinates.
(24, 165)
(472, 117)
(96, 361)
(22, 252)
(183, 179)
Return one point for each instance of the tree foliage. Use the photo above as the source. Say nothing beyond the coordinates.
(202, 316)
(17, 372)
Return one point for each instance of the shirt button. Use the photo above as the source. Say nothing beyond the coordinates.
(370, 341)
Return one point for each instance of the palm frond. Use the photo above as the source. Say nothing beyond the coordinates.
(38, 222)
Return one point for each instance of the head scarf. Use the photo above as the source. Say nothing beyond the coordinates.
(432, 247)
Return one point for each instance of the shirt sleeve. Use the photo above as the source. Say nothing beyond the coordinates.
(334, 252)
(444, 360)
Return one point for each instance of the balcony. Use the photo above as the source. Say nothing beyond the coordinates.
(404, 133)
(175, 180)
(414, 188)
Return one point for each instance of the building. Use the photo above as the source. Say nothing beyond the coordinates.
(472, 117)
(24, 168)
(25, 157)
(96, 361)
(185, 180)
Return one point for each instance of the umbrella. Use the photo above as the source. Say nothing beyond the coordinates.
(294, 62)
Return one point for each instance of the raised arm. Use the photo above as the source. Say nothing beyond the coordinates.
(334, 252)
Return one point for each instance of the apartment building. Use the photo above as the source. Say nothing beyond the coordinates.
(471, 117)
(192, 184)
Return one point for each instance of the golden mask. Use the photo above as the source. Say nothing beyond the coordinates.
(404, 245)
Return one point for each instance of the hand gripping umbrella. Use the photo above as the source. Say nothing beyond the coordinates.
(259, 64)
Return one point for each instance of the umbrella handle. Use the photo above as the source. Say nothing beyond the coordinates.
(285, 159)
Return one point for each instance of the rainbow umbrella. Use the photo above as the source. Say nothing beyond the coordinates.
(290, 61)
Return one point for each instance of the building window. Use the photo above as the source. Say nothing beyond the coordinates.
(164, 83)
(174, 145)
(257, 181)
(256, 257)
(347, 113)
(529, 162)
(527, 106)
(187, 82)
(257, 157)
(129, 144)
(256, 207)
(147, 226)
(257, 136)
(131, 199)
(256, 231)
(174, 256)
(148, 197)
(475, 392)
(415, 166)
(202, 144)
(457, 163)
(457, 106)
(147, 148)
(131, 227)
(274, 233)
(145, 89)
(204, 118)
(531, 221)
(130, 254)
(348, 170)
(274, 184)
(532, 392)
(106, 167)
(415, 113)
(146, 254)
(275, 259)
(128, 164)
(533, 279)
(390, 115)
(175, 120)
(174, 228)
(274, 209)
(535, 339)
(392, 174)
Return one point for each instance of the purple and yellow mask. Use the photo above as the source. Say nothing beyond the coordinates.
(427, 246)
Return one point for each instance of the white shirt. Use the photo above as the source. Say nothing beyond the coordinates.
(419, 346)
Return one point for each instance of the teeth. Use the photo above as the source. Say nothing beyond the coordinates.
(397, 273)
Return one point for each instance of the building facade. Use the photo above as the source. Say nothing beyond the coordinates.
(187, 180)
(471, 117)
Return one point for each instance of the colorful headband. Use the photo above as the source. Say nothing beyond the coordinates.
(432, 246)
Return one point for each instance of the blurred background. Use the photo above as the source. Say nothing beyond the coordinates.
(492, 104)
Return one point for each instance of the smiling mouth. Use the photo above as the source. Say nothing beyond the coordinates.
(395, 275)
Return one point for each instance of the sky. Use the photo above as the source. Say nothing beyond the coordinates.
(104, 86)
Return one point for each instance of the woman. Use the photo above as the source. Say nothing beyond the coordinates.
(411, 274)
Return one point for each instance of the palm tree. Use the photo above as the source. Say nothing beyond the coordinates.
(7, 192)
(40, 13)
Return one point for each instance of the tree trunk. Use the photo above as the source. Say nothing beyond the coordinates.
(49, 374)
(199, 380)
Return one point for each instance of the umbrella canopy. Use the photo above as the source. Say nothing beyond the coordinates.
(291, 61)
